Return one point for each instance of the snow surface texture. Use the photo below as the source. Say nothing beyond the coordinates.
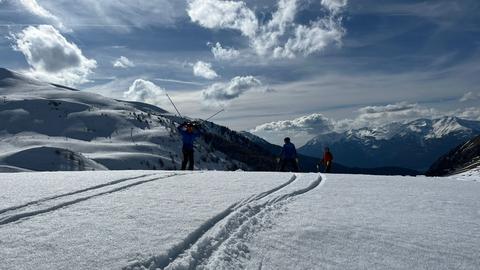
(231, 220)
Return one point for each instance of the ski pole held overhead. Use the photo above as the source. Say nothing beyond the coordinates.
(171, 101)
(217, 113)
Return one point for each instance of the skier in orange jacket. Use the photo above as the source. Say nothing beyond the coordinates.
(327, 160)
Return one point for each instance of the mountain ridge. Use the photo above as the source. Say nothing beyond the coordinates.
(422, 141)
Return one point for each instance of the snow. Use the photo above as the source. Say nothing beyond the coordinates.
(78, 130)
(444, 127)
(371, 222)
(470, 175)
(232, 220)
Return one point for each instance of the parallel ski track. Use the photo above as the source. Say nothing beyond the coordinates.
(19, 216)
(17, 207)
(235, 216)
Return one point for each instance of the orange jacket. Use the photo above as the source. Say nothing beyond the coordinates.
(327, 157)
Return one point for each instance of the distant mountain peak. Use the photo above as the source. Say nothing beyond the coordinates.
(414, 144)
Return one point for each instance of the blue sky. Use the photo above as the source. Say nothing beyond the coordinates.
(303, 66)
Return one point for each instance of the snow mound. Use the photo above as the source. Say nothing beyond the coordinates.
(50, 159)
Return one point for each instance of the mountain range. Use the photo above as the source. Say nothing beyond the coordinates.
(49, 127)
(414, 145)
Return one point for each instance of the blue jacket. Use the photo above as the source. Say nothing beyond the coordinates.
(188, 138)
(289, 151)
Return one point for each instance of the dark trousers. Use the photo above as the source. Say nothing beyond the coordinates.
(187, 158)
(289, 162)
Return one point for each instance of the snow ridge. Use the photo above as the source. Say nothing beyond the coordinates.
(223, 234)
(48, 205)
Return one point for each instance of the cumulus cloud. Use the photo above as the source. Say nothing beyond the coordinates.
(281, 36)
(313, 124)
(311, 39)
(218, 14)
(147, 92)
(123, 62)
(219, 94)
(204, 70)
(51, 56)
(470, 96)
(33, 7)
(301, 129)
(221, 53)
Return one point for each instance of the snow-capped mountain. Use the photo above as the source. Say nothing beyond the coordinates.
(415, 145)
(51, 127)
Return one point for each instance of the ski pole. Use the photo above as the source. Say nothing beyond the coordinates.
(171, 101)
(217, 113)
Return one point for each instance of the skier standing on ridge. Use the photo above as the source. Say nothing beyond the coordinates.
(327, 160)
(189, 131)
(288, 156)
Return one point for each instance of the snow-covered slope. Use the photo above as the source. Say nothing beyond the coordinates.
(50, 127)
(415, 145)
(237, 220)
(462, 158)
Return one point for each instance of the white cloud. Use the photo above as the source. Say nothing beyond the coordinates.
(313, 124)
(123, 62)
(33, 7)
(219, 94)
(51, 56)
(281, 36)
(470, 96)
(334, 5)
(311, 39)
(301, 129)
(219, 14)
(221, 53)
(147, 92)
(471, 113)
(204, 70)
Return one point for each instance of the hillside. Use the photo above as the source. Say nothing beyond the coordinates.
(51, 127)
(414, 145)
(462, 158)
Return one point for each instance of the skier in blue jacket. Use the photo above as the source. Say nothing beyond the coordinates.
(189, 132)
(288, 156)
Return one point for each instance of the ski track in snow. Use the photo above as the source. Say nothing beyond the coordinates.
(49, 204)
(17, 207)
(224, 232)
